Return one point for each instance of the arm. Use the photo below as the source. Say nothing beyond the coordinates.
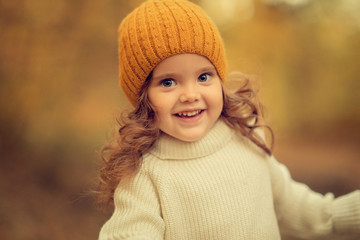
(137, 213)
(304, 213)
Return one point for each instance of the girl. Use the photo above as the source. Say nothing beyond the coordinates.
(189, 162)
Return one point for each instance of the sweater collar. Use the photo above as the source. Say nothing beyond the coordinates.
(167, 147)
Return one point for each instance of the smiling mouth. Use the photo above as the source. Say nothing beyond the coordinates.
(188, 114)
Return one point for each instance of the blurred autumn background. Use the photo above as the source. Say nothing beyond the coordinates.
(59, 98)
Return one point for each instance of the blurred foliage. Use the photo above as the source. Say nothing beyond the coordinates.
(59, 94)
(307, 60)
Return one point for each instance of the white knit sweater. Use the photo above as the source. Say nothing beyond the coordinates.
(222, 187)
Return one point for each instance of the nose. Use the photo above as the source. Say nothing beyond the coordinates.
(190, 93)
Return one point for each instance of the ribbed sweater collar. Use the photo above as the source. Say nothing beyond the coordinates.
(167, 147)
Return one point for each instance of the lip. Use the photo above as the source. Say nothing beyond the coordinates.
(188, 113)
(190, 119)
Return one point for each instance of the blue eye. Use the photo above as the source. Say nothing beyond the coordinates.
(204, 77)
(168, 83)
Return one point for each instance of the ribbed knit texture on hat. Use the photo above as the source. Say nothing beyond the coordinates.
(158, 29)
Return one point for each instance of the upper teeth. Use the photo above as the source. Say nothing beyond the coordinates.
(189, 114)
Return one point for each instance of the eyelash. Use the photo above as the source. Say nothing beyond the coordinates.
(173, 83)
(209, 75)
(162, 82)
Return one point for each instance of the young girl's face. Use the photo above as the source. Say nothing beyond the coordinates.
(186, 94)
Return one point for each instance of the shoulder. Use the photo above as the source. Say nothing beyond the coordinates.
(145, 179)
(152, 167)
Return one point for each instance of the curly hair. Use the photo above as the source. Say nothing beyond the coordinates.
(244, 112)
(138, 132)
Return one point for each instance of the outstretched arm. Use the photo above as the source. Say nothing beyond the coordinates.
(304, 213)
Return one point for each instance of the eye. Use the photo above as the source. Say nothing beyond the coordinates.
(168, 83)
(204, 77)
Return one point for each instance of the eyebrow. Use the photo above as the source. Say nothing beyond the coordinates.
(207, 69)
(163, 76)
(172, 75)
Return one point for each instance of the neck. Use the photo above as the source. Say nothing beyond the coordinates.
(168, 147)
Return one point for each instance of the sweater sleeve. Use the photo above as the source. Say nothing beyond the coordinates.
(306, 214)
(137, 213)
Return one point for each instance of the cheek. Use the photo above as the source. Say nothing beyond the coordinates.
(217, 99)
(152, 100)
(154, 106)
(162, 103)
(219, 105)
(158, 109)
(160, 114)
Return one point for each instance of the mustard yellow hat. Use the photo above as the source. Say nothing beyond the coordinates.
(158, 29)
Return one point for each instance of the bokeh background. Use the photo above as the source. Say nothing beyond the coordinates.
(59, 98)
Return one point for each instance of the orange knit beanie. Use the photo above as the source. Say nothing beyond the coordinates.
(158, 29)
